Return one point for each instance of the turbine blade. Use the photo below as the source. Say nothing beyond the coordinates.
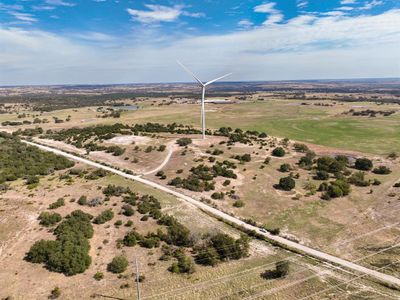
(190, 72)
(216, 79)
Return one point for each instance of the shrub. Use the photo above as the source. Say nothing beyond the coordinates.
(118, 264)
(48, 219)
(98, 276)
(363, 164)
(358, 179)
(184, 265)
(55, 293)
(226, 182)
(286, 183)
(278, 152)
(128, 210)
(238, 203)
(217, 196)
(300, 147)
(207, 256)
(321, 175)
(105, 216)
(60, 202)
(285, 168)
(184, 142)
(130, 239)
(82, 200)
(383, 170)
(32, 179)
(281, 270)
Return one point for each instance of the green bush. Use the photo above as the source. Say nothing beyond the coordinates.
(82, 200)
(286, 183)
(363, 164)
(104, 217)
(60, 202)
(382, 170)
(118, 264)
(184, 142)
(278, 152)
(285, 168)
(48, 219)
(130, 239)
(98, 276)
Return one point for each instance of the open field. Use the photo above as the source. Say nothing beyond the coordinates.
(362, 226)
(231, 280)
(323, 125)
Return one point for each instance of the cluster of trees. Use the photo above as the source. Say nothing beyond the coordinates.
(170, 128)
(184, 142)
(104, 217)
(327, 167)
(49, 219)
(221, 247)
(18, 160)
(201, 177)
(240, 136)
(69, 253)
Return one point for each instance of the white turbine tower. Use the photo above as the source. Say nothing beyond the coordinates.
(203, 92)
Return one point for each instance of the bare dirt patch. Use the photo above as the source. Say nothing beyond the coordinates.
(129, 139)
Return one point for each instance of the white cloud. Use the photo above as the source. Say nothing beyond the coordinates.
(93, 36)
(371, 4)
(305, 47)
(347, 2)
(60, 3)
(302, 3)
(345, 8)
(160, 13)
(43, 7)
(25, 17)
(275, 16)
(245, 24)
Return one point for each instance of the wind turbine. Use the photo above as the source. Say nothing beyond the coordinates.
(203, 92)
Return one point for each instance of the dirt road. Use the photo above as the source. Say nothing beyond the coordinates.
(391, 280)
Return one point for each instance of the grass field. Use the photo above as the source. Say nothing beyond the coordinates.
(322, 125)
(314, 124)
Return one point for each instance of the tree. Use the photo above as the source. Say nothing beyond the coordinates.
(286, 183)
(363, 164)
(321, 175)
(105, 216)
(128, 210)
(118, 264)
(207, 256)
(382, 170)
(281, 271)
(282, 268)
(285, 168)
(279, 152)
(48, 219)
(184, 141)
(130, 239)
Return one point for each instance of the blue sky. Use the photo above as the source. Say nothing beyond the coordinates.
(109, 41)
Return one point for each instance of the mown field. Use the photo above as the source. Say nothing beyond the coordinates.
(313, 124)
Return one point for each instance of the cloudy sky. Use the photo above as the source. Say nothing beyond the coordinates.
(117, 41)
